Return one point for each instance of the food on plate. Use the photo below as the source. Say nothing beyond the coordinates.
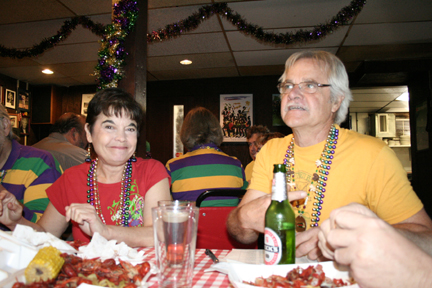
(300, 277)
(44, 266)
(76, 271)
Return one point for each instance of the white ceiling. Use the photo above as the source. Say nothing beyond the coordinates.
(384, 30)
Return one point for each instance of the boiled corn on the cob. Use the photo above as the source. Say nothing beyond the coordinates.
(44, 266)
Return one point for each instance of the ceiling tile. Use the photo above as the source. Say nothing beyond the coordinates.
(31, 10)
(171, 3)
(28, 73)
(70, 53)
(74, 69)
(88, 7)
(390, 33)
(284, 14)
(160, 18)
(189, 44)
(210, 60)
(382, 11)
(268, 57)
(194, 74)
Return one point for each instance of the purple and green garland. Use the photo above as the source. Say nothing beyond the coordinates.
(112, 54)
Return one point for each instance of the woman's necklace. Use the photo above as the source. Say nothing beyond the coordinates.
(93, 192)
(319, 179)
(210, 146)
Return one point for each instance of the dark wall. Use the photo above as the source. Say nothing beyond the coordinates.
(420, 86)
(162, 95)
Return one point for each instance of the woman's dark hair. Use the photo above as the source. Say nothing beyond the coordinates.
(200, 126)
(113, 101)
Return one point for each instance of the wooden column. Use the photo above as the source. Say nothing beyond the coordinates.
(135, 79)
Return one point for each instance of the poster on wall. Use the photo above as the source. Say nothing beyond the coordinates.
(236, 115)
(276, 113)
(84, 103)
(178, 122)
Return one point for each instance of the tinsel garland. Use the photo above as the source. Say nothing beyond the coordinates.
(47, 43)
(112, 53)
(320, 31)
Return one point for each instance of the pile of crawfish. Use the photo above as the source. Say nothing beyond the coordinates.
(76, 271)
(299, 277)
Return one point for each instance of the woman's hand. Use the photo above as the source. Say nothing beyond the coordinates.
(10, 209)
(87, 219)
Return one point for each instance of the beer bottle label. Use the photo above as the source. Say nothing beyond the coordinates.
(272, 247)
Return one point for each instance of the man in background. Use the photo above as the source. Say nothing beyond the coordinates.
(252, 135)
(25, 171)
(67, 140)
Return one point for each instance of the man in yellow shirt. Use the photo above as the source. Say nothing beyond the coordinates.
(327, 166)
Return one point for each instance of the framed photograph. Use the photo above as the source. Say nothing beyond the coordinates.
(276, 113)
(178, 118)
(14, 120)
(236, 115)
(23, 100)
(24, 125)
(10, 99)
(85, 101)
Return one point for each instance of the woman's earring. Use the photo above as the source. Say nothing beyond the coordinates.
(88, 155)
(133, 159)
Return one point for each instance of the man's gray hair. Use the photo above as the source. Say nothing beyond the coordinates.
(337, 77)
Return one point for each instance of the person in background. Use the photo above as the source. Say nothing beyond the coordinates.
(26, 172)
(204, 166)
(375, 252)
(252, 135)
(263, 139)
(67, 140)
(327, 166)
(110, 194)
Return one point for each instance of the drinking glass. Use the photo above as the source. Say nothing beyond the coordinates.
(175, 232)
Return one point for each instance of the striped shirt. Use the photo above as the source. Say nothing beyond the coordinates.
(27, 173)
(203, 168)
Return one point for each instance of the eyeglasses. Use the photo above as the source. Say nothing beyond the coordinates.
(308, 87)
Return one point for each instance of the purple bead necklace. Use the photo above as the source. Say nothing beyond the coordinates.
(93, 197)
(319, 179)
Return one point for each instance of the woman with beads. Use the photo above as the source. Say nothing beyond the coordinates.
(110, 194)
(204, 166)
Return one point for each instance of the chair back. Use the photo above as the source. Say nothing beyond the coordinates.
(212, 232)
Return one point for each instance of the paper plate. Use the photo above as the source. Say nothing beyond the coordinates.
(238, 272)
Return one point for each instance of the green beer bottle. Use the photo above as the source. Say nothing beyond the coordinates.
(279, 235)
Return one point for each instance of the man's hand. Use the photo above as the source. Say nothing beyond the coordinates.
(378, 256)
(10, 209)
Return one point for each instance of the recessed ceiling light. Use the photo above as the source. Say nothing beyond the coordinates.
(403, 97)
(47, 71)
(186, 62)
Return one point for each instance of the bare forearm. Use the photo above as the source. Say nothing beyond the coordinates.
(237, 229)
(418, 234)
(132, 236)
(24, 221)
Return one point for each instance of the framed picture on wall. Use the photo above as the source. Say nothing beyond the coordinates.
(14, 120)
(84, 103)
(276, 114)
(23, 100)
(1, 95)
(236, 115)
(10, 99)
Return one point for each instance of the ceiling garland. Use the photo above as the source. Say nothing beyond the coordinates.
(125, 12)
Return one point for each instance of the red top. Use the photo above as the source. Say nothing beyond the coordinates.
(72, 187)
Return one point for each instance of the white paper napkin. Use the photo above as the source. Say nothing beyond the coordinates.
(29, 236)
(101, 247)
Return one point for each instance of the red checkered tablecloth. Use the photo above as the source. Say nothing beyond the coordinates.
(202, 262)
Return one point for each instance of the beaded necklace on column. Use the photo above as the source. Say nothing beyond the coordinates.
(93, 196)
(319, 179)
